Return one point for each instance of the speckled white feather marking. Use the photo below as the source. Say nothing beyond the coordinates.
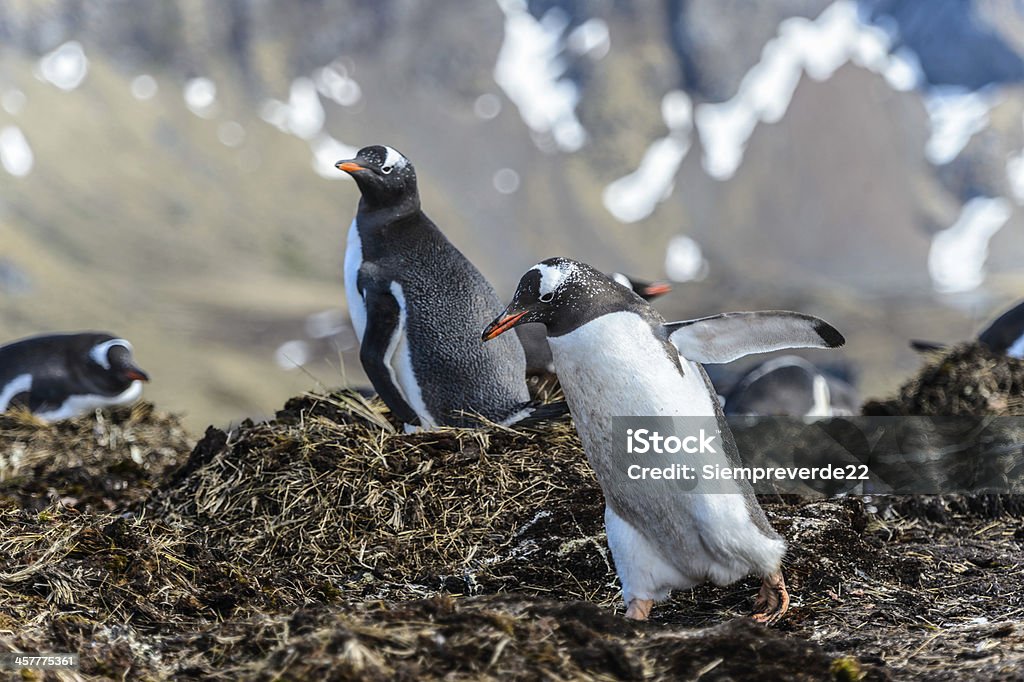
(98, 353)
(551, 277)
(20, 384)
(78, 405)
(399, 361)
(615, 366)
(394, 159)
(353, 261)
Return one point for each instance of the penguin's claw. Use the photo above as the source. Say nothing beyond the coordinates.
(639, 609)
(772, 600)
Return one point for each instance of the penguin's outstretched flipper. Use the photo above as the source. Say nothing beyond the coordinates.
(927, 346)
(730, 336)
(383, 329)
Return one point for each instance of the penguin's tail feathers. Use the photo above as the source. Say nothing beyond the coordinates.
(927, 346)
(536, 413)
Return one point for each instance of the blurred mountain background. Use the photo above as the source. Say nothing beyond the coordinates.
(167, 167)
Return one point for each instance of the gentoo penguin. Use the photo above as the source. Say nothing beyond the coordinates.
(1004, 335)
(535, 342)
(615, 356)
(790, 386)
(417, 305)
(60, 376)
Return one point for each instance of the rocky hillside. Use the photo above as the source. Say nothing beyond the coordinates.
(167, 169)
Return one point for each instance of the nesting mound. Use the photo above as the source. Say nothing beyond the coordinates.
(968, 380)
(110, 460)
(341, 505)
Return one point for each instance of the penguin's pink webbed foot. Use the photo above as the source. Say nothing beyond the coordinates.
(772, 600)
(639, 609)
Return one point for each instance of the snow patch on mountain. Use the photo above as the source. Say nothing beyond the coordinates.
(530, 70)
(818, 48)
(634, 197)
(956, 260)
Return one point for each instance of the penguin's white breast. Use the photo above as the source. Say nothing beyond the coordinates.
(616, 366)
(353, 261)
(76, 405)
(19, 384)
(399, 360)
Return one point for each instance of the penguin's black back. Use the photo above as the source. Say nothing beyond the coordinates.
(1005, 331)
(787, 390)
(448, 302)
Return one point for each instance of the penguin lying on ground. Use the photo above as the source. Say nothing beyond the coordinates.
(61, 376)
(417, 305)
(535, 341)
(791, 386)
(615, 356)
(1004, 335)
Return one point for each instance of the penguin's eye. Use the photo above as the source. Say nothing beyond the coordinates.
(548, 297)
(386, 170)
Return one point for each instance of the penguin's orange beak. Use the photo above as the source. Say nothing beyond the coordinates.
(348, 166)
(502, 324)
(136, 374)
(657, 289)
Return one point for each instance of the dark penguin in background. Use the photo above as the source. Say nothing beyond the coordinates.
(61, 376)
(617, 357)
(417, 306)
(790, 386)
(535, 340)
(1004, 335)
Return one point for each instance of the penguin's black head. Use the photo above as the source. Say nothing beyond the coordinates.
(563, 294)
(645, 290)
(112, 364)
(385, 177)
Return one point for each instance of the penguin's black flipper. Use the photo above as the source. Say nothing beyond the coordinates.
(47, 393)
(926, 346)
(383, 322)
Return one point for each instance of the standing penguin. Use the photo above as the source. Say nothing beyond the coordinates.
(60, 376)
(615, 356)
(417, 305)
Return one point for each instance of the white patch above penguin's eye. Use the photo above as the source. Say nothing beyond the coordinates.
(551, 278)
(392, 160)
(101, 351)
